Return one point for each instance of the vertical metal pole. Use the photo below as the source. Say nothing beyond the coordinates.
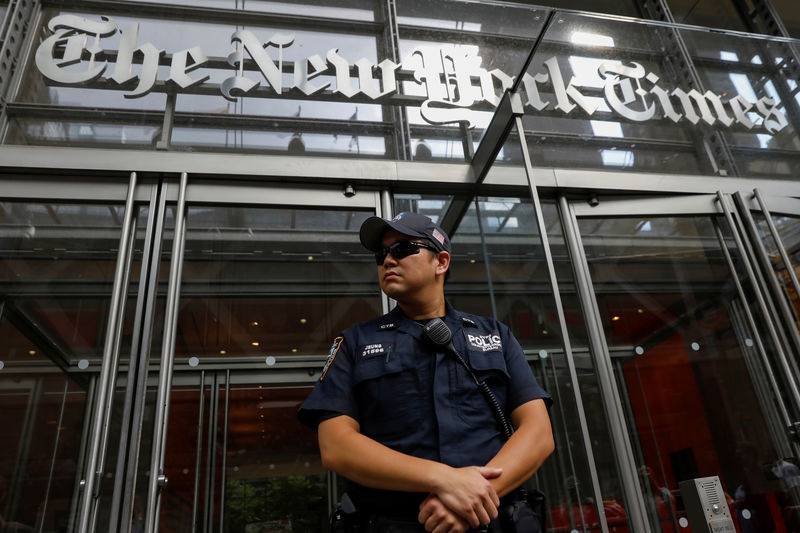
(109, 401)
(562, 322)
(223, 476)
(787, 262)
(136, 387)
(612, 404)
(93, 471)
(43, 511)
(795, 393)
(77, 486)
(387, 211)
(157, 478)
(485, 252)
(198, 458)
(211, 450)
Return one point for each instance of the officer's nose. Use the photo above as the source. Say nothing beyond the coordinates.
(389, 260)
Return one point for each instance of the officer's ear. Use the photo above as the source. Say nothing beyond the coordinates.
(442, 263)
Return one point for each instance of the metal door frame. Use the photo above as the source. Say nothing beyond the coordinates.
(718, 207)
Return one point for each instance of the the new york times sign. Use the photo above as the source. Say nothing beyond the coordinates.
(451, 75)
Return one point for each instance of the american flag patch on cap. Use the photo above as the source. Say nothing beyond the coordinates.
(438, 236)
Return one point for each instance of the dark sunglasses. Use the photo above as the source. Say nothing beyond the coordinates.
(401, 249)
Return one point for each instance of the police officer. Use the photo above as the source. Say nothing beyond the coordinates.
(403, 421)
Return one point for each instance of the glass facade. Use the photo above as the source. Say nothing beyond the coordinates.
(181, 189)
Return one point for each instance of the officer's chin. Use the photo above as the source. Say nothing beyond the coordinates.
(391, 289)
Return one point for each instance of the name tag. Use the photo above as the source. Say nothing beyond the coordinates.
(484, 343)
(375, 350)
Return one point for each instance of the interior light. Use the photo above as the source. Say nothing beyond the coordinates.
(615, 318)
(303, 320)
(31, 352)
(471, 260)
(294, 350)
(544, 332)
(253, 323)
(591, 39)
(259, 386)
(310, 257)
(262, 416)
(255, 343)
(640, 311)
(222, 352)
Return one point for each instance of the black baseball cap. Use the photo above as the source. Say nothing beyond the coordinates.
(412, 224)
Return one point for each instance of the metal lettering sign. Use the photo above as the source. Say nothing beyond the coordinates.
(451, 75)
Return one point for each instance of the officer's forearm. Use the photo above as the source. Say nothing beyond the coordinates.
(526, 450)
(367, 462)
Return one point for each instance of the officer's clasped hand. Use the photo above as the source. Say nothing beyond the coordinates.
(468, 493)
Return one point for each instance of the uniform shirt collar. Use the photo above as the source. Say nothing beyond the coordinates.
(396, 319)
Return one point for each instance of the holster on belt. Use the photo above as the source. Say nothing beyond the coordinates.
(345, 517)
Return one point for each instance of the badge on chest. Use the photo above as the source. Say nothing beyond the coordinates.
(376, 349)
(480, 342)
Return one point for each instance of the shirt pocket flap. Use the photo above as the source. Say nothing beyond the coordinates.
(375, 368)
(488, 362)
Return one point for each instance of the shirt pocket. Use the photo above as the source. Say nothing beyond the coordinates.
(388, 397)
(489, 367)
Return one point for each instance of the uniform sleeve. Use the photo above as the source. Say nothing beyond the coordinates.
(522, 386)
(333, 394)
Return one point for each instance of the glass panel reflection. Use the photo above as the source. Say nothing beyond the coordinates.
(56, 268)
(709, 13)
(261, 472)
(789, 13)
(597, 96)
(340, 9)
(693, 387)
(272, 281)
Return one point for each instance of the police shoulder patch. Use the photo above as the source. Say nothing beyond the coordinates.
(337, 342)
(484, 342)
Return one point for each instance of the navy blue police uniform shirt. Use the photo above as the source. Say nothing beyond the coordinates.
(417, 399)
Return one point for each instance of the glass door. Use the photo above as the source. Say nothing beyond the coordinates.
(269, 276)
(59, 251)
(694, 379)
